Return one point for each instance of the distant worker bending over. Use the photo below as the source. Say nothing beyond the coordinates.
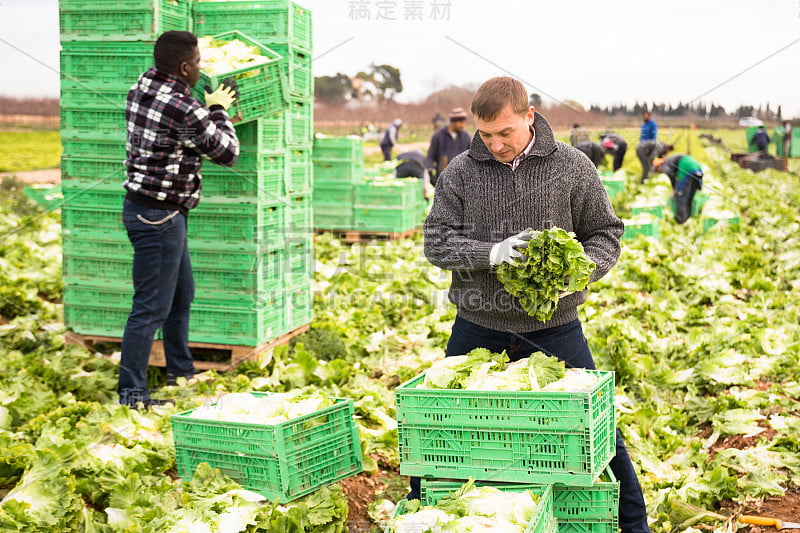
(389, 138)
(686, 174)
(593, 150)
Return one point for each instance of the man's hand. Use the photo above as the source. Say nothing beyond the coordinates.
(506, 251)
(224, 96)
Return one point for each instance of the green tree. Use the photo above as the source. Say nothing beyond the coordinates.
(387, 81)
(333, 89)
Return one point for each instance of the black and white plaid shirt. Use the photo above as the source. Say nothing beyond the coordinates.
(169, 132)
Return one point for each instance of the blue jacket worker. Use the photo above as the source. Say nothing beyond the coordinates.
(649, 130)
(169, 135)
(516, 177)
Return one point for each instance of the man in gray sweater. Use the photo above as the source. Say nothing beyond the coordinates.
(516, 176)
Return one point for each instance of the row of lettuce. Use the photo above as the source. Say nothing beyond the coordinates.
(701, 328)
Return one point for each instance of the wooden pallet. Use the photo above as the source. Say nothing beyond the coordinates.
(352, 236)
(233, 354)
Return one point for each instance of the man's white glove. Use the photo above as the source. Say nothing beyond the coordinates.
(506, 251)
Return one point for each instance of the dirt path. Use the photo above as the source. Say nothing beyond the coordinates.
(50, 175)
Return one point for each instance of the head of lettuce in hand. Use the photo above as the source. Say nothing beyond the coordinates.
(553, 263)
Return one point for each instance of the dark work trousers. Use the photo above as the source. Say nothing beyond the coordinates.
(387, 152)
(163, 292)
(567, 343)
(646, 152)
(684, 199)
(619, 155)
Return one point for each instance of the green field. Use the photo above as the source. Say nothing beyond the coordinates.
(29, 150)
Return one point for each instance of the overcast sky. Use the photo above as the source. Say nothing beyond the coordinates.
(589, 51)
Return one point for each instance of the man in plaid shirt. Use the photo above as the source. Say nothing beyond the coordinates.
(169, 133)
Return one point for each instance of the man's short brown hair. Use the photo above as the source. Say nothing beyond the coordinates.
(495, 93)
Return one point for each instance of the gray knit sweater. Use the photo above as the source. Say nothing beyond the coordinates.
(480, 201)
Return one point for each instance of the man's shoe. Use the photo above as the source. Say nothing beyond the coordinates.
(172, 379)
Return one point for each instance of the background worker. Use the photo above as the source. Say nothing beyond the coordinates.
(578, 135)
(787, 138)
(686, 174)
(593, 150)
(617, 146)
(516, 176)
(647, 151)
(761, 139)
(169, 134)
(414, 164)
(389, 138)
(649, 131)
(448, 141)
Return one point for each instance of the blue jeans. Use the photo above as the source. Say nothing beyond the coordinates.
(567, 343)
(163, 292)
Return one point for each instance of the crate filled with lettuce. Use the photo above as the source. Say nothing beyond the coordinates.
(281, 445)
(481, 416)
(473, 508)
(253, 70)
(578, 509)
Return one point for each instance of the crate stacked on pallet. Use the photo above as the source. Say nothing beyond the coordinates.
(105, 46)
(338, 167)
(251, 246)
(515, 439)
(276, 147)
(346, 199)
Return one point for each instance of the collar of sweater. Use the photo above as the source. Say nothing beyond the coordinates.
(545, 141)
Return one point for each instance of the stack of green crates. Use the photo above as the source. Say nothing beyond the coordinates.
(391, 205)
(251, 249)
(275, 149)
(338, 167)
(105, 46)
(449, 436)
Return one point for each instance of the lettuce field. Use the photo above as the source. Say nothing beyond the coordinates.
(701, 326)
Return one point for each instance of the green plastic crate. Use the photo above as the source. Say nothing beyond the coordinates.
(395, 193)
(299, 216)
(238, 224)
(542, 520)
(515, 436)
(338, 148)
(613, 187)
(262, 135)
(299, 262)
(47, 195)
(657, 210)
(725, 220)
(333, 217)
(96, 95)
(90, 171)
(108, 196)
(298, 67)
(218, 324)
(99, 145)
(258, 176)
(299, 118)
(648, 229)
(332, 192)
(122, 20)
(261, 88)
(345, 170)
(285, 460)
(298, 174)
(593, 509)
(268, 21)
(299, 305)
(115, 63)
(384, 219)
(108, 121)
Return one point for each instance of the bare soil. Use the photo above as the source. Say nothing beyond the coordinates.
(50, 175)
